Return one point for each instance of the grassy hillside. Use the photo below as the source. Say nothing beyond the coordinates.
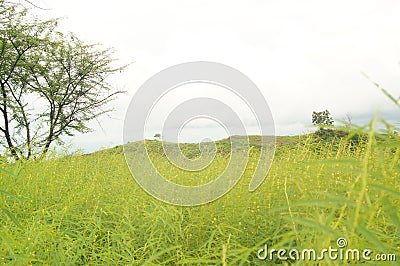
(89, 210)
(222, 145)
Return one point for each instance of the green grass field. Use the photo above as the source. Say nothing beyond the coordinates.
(87, 209)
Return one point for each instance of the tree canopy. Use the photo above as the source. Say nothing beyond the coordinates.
(322, 119)
(51, 84)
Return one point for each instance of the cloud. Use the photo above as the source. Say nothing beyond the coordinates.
(304, 55)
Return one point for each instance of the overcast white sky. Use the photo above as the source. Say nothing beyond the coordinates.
(304, 55)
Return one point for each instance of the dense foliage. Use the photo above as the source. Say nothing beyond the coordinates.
(89, 210)
(51, 84)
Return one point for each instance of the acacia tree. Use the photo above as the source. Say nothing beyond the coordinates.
(51, 84)
(324, 121)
